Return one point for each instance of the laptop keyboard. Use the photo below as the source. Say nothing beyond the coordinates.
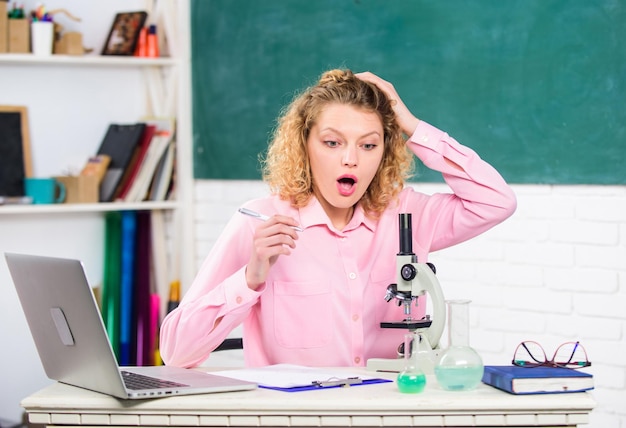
(137, 381)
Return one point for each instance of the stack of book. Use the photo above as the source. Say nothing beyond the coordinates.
(141, 161)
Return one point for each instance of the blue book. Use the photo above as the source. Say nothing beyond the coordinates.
(537, 380)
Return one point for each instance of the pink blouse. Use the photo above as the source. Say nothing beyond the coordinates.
(323, 304)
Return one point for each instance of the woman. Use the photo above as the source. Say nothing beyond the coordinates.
(336, 168)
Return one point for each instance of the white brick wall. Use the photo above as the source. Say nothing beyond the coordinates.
(554, 272)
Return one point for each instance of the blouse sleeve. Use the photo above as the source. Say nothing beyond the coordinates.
(480, 200)
(190, 332)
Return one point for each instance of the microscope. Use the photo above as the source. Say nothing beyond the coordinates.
(413, 280)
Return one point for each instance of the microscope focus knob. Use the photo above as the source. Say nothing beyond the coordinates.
(408, 272)
(432, 267)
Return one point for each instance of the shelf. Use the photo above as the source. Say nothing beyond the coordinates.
(85, 60)
(87, 208)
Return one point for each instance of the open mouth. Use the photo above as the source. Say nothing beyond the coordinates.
(346, 184)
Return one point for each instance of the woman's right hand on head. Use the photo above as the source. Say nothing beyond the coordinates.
(272, 238)
(407, 121)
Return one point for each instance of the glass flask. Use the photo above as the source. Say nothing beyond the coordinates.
(412, 379)
(459, 367)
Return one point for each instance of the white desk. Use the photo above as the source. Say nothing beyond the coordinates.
(379, 405)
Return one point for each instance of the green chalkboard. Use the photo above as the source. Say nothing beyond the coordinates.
(536, 87)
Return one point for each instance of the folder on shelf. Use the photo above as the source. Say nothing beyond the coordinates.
(120, 143)
(162, 179)
(142, 298)
(161, 273)
(131, 172)
(111, 280)
(141, 185)
(127, 280)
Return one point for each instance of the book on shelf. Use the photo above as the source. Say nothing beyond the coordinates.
(132, 170)
(120, 144)
(161, 269)
(146, 169)
(142, 292)
(537, 380)
(141, 185)
(160, 186)
(111, 280)
(127, 286)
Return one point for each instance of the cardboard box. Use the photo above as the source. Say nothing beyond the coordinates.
(80, 189)
(70, 43)
(19, 35)
(4, 27)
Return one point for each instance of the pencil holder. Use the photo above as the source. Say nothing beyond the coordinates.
(42, 35)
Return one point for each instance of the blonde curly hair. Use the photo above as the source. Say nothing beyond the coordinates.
(286, 167)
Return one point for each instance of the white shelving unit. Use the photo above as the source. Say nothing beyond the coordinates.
(71, 100)
(163, 86)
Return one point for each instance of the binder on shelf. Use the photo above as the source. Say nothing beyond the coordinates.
(135, 164)
(120, 143)
(160, 266)
(163, 175)
(142, 298)
(127, 279)
(141, 185)
(155, 304)
(537, 380)
(111, 279)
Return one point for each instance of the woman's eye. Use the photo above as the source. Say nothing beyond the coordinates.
(369, 146)
(331, 143)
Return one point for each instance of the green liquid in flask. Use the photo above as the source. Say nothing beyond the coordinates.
(411, 383)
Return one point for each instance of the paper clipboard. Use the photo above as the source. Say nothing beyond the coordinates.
(339, 383)
(294, 378)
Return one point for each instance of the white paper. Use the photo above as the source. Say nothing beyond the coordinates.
(289, 375)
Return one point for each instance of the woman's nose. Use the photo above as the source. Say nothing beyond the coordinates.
(349, 156)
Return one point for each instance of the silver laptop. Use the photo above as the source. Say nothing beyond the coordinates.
(72, 342)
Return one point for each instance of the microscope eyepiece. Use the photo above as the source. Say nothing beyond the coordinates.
(406, 234)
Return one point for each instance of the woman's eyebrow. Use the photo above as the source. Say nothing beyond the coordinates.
(367, 134)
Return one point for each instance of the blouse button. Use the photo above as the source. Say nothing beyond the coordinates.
(355, 317)
(352, 275)
(239, 300)
(357, 360)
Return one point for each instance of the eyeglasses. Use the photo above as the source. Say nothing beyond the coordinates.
(570, 354)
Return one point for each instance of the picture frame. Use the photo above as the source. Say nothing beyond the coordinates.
(124, 33)
(15, 154)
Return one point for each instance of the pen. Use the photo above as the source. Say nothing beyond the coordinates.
(262, 217)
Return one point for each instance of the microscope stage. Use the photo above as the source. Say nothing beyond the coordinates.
(408, 324)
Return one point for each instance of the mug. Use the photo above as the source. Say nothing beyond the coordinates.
(44, 190)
